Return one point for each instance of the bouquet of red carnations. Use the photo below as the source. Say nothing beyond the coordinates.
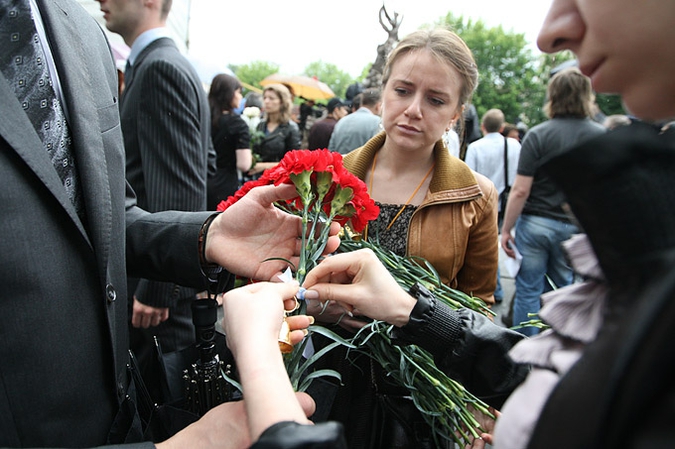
(327, 192)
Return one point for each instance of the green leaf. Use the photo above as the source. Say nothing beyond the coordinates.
(307, 381)
(321, 330)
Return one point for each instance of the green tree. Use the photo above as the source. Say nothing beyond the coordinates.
(328, 73)
(610, 104)
(509, 78)
(254, 72)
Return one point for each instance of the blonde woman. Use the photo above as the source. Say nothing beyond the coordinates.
(431, 205)
(280, 134)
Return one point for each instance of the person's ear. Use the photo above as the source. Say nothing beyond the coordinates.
(458, 115)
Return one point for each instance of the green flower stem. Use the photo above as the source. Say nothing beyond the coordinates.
(408, 271)
(443, 402)
(302, 265)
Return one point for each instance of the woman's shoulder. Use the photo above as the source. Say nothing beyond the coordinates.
(289, 126)
(231, 123)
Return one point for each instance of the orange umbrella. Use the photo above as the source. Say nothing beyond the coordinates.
(306, 87)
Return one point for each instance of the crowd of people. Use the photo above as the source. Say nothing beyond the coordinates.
(110, 235)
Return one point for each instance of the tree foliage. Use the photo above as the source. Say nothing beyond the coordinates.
(335, 78)
(509, 77)
(610, 104)
(254, 72)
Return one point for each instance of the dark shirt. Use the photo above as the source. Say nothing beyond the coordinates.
(320, 132)
(542, 143)
(230, 135)
(275, 144)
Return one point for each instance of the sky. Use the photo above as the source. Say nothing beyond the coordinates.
(346, 33)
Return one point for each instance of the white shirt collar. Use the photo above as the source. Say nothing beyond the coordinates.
(145, 39)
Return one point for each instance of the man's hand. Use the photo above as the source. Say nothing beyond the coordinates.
(254, 239)
(147, 316)
(508, 243)
(224, 427)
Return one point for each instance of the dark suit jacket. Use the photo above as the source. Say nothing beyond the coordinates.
(63, 299)
(167, 134)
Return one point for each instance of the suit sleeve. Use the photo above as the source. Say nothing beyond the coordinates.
(163, 246)
(173, 158)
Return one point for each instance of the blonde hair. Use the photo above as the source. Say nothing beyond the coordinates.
(569, 95)
(447, 47)
(286, 103)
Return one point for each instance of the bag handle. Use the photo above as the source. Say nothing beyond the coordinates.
(506, 165)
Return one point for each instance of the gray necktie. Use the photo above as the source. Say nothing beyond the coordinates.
(23, 63)
(128, 73)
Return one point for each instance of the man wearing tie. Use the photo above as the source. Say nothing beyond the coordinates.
(167, 135)
(70, 229)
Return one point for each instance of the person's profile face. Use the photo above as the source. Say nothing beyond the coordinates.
(121, 16)
(624, 46)
(236, 99)
(420, 100)
(341, 111)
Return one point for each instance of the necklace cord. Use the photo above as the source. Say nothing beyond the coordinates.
(398, 214)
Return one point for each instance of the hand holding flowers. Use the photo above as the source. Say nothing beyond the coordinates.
(325, 193)
(265, 253)
(264, 303)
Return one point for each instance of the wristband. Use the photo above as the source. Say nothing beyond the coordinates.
(210, 270)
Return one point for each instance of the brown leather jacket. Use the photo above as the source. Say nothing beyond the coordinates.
(455, 227)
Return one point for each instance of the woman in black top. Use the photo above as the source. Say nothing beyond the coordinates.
(280, 134)
(231, 138)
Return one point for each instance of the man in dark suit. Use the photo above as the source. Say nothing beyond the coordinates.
(166, 126)
(63, 264)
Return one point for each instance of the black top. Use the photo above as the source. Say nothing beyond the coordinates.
(230, 135)
(619, 394)
(274, 145)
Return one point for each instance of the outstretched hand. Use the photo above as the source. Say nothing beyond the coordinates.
(254, 239)
(360, 284)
